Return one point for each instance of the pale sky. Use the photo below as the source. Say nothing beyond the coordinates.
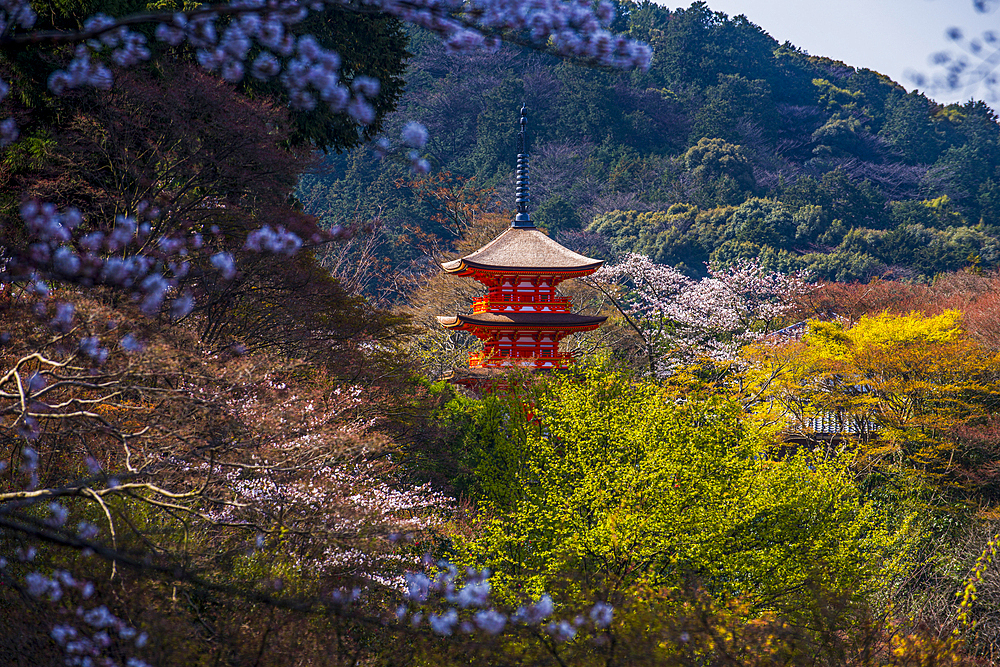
(893, 37)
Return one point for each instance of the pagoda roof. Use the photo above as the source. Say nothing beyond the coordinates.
(521, 248)
(521, 320)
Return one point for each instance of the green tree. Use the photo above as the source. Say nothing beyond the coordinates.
(698, 44)
(557, 215)
(370, 44)
(720, 171)
(837, 137)
(733, 100)
(910, 128)
(761, 221)
(622, 484)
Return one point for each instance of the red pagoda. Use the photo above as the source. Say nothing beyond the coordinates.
(520, 319)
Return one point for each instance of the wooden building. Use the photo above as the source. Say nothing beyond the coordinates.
(521, 319)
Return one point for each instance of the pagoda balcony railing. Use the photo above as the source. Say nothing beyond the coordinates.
(520, 304)
(482, 359)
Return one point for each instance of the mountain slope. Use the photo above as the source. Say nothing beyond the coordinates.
(732, 145)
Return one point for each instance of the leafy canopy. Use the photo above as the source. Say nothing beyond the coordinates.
(882, 332)
(623, 484)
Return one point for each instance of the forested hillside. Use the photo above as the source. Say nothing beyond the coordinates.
(731, 146)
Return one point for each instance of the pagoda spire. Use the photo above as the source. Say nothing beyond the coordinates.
(523, 218)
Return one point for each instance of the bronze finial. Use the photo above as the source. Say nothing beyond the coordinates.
(523, 217)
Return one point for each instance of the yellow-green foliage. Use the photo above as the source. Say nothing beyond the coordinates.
(835, 98)
(881, 333)
(622, 484)
(899, 384)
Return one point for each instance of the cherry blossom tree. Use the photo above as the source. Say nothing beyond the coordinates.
(132, 452)
(681, 321)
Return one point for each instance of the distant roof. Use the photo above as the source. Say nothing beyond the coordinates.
(537, 320)
(523, 248)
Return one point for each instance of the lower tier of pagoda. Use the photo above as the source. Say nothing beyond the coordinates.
(521, 339)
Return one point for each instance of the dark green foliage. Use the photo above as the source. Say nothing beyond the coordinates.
(989, 201)
(556, 215)
(724, 117)
(720, 171)
(843, 266)
(911, 130)
(761, 221)
(696, 45)
(735, 100)
(473, 447)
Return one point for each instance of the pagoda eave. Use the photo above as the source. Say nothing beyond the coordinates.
(463, 267)
(536, 321)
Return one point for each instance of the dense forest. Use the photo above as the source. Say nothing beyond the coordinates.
(223, 435)
(731, 146)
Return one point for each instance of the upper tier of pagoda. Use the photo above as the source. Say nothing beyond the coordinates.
(523, 250)
(521, 319)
